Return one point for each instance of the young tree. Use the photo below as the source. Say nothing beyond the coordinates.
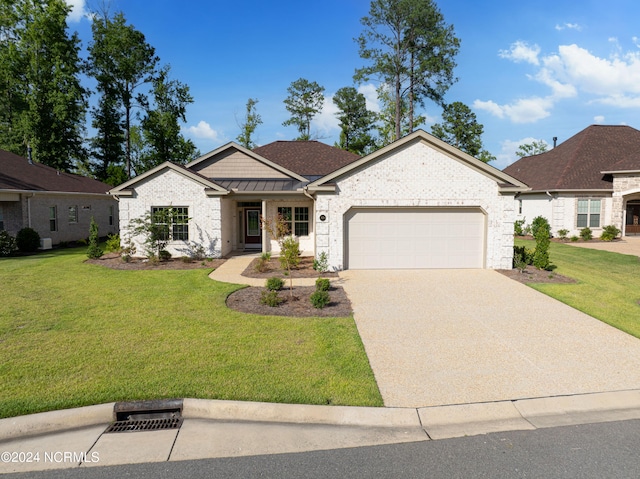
(43, 103)
(249, 124)
(355, 120)
(534, 148)
(161, 125)
(121, 61)
(461, 129)
(412, 50)
(304, 102)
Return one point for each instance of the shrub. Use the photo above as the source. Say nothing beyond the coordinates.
(541, 252)
(274, 284)
(522, 252)
(290, 253)
(540, 222)
(586, 234)
(321, 263)
(574, 238)
(8, 244)
(113, 244)
(519, 263)
(609, 233)
(319, 299)
(518, 227)
(323, 284)
(28, 240)
(93, 251)
(562, 234)
(263, 263)
(164, 255)
(270, 298)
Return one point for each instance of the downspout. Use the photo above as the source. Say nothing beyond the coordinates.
(306, 193)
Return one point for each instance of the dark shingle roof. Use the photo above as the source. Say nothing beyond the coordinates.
(578, 162)
(17, 174)
(306, 158)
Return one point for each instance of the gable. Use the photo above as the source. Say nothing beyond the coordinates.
(233, 163)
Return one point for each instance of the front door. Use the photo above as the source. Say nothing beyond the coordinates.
(633, 218)
(252, 230)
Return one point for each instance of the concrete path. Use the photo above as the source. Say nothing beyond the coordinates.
(442, 337)
(231, 272)
(627, 245)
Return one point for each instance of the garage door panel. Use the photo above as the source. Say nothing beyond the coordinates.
(414, 238)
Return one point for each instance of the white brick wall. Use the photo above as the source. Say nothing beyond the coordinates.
(172, 189)
(417, 176)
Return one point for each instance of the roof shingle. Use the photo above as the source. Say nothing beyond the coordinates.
(16, 173)
(577, 163)
(306, 158)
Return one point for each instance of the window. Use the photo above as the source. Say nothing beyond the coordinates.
(176, 220)
(519, 206)
(111, 215)
(53, 218)
(297, 219)
(1, 219)
(588, 213)
(73, 214)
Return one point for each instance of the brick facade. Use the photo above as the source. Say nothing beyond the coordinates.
(417, 176)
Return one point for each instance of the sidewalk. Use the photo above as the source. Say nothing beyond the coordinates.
(627, 245)
(76, 438)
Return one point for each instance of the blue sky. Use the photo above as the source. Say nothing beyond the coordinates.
(529, 70)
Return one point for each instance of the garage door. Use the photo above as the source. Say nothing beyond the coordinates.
(389, 238)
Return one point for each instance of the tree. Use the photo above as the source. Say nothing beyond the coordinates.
(355, 120)
(534, 148)
(160, 126)
(107, 147)
(42, 104)
(304, 102)
(121, 61)
(386, 125)
(249, 124)
(412, 50)
(461, 129)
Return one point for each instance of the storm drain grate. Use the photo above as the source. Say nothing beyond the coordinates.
(156, 415)
(136, 425)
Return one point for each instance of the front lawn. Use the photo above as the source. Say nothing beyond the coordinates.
(607, 288)
(74, 334)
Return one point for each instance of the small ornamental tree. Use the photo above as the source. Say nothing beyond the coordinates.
(155, 228)
(94, 251)
(289, 246)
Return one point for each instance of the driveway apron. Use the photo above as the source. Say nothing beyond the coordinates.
(438, 337)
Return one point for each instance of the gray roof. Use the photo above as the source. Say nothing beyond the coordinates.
(260, 184)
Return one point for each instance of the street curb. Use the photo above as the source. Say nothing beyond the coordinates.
(300, 413)
(55, 421)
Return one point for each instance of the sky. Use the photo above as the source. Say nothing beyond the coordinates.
(529, 70)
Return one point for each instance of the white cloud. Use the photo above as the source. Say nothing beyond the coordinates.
(526, 110)
(521, 52)
(598, 119)
(203, 131)
(326, 121)
(371, 95)
(78, 11)
(508, 150)
(569, 26)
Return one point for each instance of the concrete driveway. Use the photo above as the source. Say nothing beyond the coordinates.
(439, 337)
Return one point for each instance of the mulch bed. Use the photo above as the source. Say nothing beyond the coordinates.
(535, 275)
(114, 261)
(304, 270)
(247, 300)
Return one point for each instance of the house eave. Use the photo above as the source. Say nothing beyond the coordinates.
(621, 172)
(574, 190)
(49, 192)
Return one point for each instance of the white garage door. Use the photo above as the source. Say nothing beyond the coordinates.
(389, 238)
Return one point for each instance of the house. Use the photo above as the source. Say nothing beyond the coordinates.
(590, 180)
(58, 205)
(417, 203)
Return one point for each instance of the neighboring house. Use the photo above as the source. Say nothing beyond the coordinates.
(58, 205)
(417, 203)
(591, 180)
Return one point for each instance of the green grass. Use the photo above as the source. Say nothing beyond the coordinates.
(74, 334)
(607, 288)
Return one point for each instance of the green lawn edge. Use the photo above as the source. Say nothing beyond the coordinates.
(75, 334)
(607, 284)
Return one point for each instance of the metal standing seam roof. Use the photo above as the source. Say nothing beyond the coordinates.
(259, 184)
